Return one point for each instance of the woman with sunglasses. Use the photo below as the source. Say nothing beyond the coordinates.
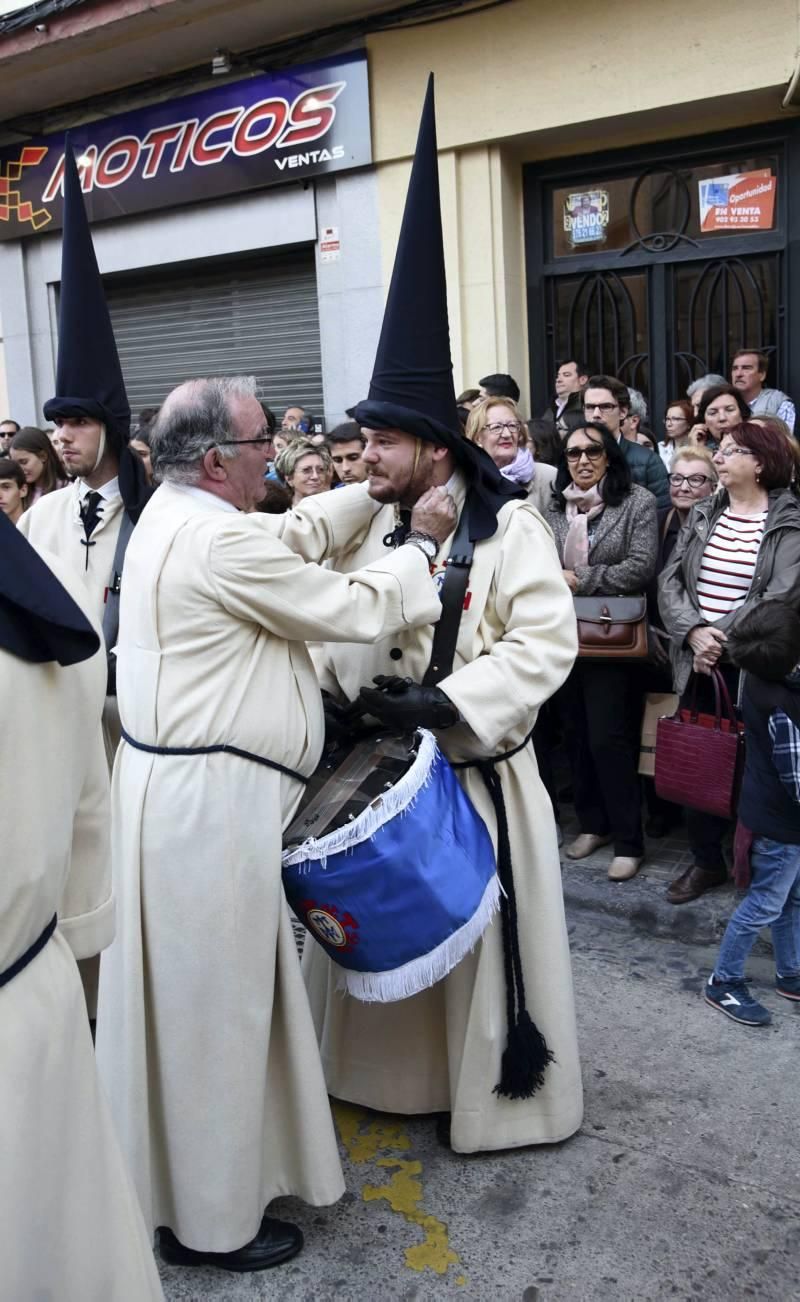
(606, 535)
(738, 546)
(496, 426)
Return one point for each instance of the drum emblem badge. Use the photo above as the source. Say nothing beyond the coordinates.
(341, 933)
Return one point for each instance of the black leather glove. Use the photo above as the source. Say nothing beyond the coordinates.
(338, 721)
(401, 703)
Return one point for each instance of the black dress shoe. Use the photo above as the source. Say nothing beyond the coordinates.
(443, 1128)
(276, 1242)
(694, 882)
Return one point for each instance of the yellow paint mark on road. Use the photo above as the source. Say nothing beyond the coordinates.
(364, 1140)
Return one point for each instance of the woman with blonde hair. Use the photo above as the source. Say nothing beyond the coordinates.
(496, 426)
(306, 468)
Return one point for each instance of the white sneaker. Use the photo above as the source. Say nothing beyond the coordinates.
(585, 844)
(624, 866)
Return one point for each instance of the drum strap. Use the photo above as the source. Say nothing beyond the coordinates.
(526, 1055)
(213, 750)
(454, 590)
(30, 953)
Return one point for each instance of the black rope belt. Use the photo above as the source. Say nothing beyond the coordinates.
(30, 953)
(220, 749)
(526, 1056)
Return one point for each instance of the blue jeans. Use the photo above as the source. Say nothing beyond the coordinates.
(773, 900)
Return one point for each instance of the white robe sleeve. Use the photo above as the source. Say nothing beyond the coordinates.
(327, 524)
(86, 912)
(260, 580)
(495, 693)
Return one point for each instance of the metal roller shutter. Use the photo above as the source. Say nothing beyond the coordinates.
(256, 317)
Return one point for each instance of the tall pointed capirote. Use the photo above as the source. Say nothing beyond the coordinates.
(413, 367)
(88, 373)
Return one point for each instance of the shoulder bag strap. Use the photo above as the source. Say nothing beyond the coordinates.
(454, 590)
(111, 608)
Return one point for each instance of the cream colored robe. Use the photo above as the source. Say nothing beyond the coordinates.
(205, 1040)
(71, 1229)
(440, 1050)
(54, 523)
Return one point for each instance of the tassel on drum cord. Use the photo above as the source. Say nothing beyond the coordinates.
(526, 1055)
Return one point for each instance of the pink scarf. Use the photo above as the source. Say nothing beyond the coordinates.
(582, 506)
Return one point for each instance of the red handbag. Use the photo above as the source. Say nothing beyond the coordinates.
(700, 757)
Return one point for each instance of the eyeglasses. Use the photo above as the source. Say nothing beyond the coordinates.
(237, 443)
(694, 481)
(732, 451)
(594, 453)
(513, 426)
(601, 406)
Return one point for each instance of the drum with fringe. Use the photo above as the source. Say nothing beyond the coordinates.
(399, 886)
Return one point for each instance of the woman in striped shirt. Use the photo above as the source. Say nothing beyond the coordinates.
(736, 547)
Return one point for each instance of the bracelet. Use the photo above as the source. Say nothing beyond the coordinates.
(418, 536)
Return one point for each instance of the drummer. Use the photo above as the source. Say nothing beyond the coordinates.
(205, 1042)
(465, 1046)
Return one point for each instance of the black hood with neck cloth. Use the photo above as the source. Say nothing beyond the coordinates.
(88, 373)
(412, 380)
(39, 621)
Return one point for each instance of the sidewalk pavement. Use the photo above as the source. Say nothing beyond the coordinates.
(642, 902)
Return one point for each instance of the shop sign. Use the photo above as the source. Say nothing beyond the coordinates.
(268, 130)
(744, 201)
(586, 216)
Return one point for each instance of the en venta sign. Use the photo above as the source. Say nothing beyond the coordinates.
(242, 136)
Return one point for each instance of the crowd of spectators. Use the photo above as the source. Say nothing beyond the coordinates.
(701, 516)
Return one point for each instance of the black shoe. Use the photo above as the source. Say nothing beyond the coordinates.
(443, 1128)
(276, 1242)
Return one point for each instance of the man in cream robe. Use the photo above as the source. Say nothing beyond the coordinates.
(440, 1050)
(466, 1046)
(71, 1227)
(205, 1041)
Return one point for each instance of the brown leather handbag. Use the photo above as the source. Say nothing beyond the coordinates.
(612, 628)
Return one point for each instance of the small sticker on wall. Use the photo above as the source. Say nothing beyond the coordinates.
(329, 247)
(586, 217)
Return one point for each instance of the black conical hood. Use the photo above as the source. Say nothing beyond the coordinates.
(412, 379)
(88, 374)
(413, 367)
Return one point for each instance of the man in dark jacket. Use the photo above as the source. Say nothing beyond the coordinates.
(606, 399)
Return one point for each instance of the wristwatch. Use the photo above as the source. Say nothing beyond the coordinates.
(426, 543)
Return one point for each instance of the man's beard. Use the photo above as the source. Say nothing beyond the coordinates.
(408, 494)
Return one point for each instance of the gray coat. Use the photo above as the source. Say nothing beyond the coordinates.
(623, 546)
(777, 572)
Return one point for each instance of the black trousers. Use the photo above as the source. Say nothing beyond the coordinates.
(706, 831)
(601, 711)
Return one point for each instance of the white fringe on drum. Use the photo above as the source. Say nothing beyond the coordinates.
(422, 973)
(383, 808)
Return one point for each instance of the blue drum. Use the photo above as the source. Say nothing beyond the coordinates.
(398, 884)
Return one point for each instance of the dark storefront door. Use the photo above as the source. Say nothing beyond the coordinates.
(657, 267)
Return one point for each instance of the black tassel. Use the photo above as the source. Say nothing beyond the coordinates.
(525, 1059)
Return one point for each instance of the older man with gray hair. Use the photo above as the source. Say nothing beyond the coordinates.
(205, 1041)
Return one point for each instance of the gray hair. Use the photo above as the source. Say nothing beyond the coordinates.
(195, 418)
(705, 382)
(638, 405)
(295, 450)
